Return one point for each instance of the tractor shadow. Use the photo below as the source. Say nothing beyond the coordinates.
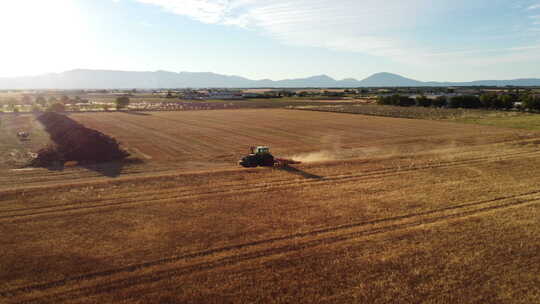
(57, 166)
(299, 172)
(110, 169)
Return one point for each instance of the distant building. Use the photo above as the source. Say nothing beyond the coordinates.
(219, 94)
(190, 94)
(253, 95)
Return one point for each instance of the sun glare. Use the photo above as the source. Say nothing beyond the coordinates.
(39, 35)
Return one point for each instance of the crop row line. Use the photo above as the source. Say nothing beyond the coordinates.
(279, 245)
(132, 193)
(138, 198)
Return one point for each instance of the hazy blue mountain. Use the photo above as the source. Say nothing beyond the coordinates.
(314, 81)
(205, 80)
(104, 79)
(389, 80)
(514, 82)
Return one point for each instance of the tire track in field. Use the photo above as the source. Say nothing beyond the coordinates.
(234, 189)
(50, 177)
(55, 178)
(440, 163)
(278, 245)
(40, 180)
(187, 194)
(43, 176)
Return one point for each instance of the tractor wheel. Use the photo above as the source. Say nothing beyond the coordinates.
(267, 161)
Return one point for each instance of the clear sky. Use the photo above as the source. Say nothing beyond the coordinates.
(455, 40)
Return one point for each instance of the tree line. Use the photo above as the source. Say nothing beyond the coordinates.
(53, 104)
(527, 101)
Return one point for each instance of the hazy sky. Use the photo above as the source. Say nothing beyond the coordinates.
(422, 39)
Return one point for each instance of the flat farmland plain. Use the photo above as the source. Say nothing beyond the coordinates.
(400, 211)
(224, 135)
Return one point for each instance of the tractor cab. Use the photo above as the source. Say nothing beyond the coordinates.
(260, 150)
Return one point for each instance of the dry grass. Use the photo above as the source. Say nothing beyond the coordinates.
(454, 222)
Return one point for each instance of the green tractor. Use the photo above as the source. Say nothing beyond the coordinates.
(259, 157)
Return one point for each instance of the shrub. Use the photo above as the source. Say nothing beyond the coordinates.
(423, 101)
(396, 100)
(506, 101)
(531, 102)
(406, 101)
(440, 101)
(36, 108)
(56, 107)
(122, 102)
(488, 101)
(465, 101)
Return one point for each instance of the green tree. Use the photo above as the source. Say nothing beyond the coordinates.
(11, 102)
(392, 100)
(440, 101)
(506, 101)
(36, 108)
(396, 100)
(465, 101)
(122, 102)
(384, 100)
(405, 101)
(531, 102)
(27, 100)
(64, 99)
(56, 107)
(423, 101)
(40, 100)
(488, 100)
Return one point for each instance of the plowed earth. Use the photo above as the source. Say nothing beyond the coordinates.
(408, 211)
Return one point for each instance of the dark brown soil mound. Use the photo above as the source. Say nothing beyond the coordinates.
(75, 142)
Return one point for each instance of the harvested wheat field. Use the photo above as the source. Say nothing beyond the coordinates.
(384, 211)
(221, 136)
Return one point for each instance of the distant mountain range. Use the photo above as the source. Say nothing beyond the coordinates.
(103, 79)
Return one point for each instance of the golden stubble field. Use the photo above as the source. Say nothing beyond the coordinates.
(222, 136)
(401, 211)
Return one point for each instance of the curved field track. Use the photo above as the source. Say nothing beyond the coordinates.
(429, 219)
